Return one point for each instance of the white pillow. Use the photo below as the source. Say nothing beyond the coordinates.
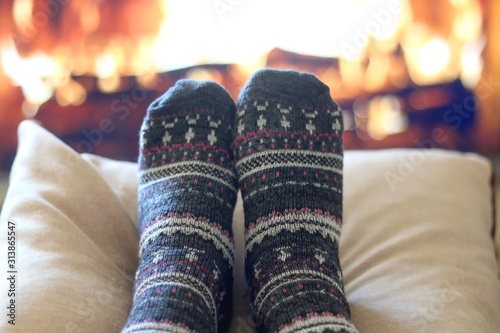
(76, 242)
(417, 257)
(497, 213)
(416, 247)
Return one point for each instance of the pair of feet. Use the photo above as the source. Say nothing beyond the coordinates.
(281, 145)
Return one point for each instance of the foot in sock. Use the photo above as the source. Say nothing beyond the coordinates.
(289, 157)
(187, 192)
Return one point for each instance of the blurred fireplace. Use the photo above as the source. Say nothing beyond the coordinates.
(428, 85)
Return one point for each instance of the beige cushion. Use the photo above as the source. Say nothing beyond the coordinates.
(76, 241)
(416, 247)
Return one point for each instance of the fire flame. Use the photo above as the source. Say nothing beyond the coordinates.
(147, 37)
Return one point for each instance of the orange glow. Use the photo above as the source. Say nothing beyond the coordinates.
(385, 117)
(147, 37)
(71, 93)
(89, 17)
(22, 11)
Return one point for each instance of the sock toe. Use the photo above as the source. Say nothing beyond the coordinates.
(189, 93)
(190, 116)
(298, 85)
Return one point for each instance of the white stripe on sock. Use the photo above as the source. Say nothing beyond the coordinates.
(172, 279)
(273, 284)
(184, 174)
(289, 165)
(320, 324)
(157, 328)
(292, 222)
(290, 152)
(169, 226)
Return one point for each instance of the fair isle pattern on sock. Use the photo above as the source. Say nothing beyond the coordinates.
(187, 193)
(289, 157)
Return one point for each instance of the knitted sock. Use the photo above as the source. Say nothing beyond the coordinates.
(289, 157)
(187, 193)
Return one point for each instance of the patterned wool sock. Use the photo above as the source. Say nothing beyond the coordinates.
(187, 193)
(289, 157)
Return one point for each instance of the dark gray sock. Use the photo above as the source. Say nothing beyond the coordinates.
(289, 158)
(187, 192)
